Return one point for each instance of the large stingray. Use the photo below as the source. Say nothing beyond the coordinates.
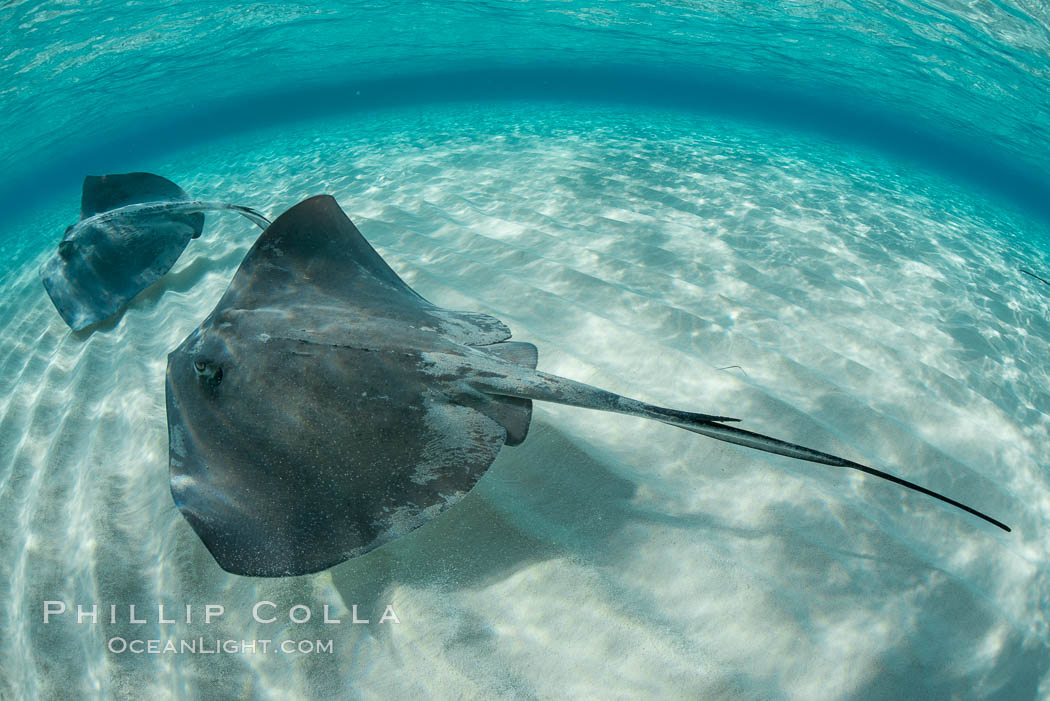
(325, 408)
(132, 229)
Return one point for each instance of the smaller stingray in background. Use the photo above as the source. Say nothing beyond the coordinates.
(132, 229)
(324, 408)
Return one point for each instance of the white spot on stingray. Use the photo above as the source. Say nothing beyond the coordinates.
(178, 441)
(409, 517)
(424, 472)
(181, 483)
(458, 437)
(272, 247)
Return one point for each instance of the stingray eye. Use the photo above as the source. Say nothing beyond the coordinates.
(208, 371)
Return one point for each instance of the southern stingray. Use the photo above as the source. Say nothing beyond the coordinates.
(132, 229)
(324, 408)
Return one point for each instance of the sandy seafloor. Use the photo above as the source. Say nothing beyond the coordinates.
(826, 296)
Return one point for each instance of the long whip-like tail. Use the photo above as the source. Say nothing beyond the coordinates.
(1031, 274)
(731, 434)
(551, 388)
(187, 206)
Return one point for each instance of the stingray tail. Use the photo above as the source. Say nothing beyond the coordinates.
(185, 207)
(561, 390)
(246, 212)
(138, 194)
(731, 434)
(551, 388)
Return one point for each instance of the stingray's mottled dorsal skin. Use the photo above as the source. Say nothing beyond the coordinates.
(324, 407)
(132, 229)
(328, 431)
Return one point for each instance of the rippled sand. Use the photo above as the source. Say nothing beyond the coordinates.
(824, 296)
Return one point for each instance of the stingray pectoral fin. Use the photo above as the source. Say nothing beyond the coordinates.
(749, 439)
(551, 388)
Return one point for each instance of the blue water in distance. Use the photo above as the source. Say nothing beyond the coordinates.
(957, 86)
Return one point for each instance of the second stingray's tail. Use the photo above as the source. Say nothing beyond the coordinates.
(184, 207)
(551, 388)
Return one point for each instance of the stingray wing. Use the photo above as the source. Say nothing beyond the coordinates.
(102, 262)
(313, 257)
(306, 424)
(306, 454)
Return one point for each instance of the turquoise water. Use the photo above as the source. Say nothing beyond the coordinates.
(97, 83)
(808, 216)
